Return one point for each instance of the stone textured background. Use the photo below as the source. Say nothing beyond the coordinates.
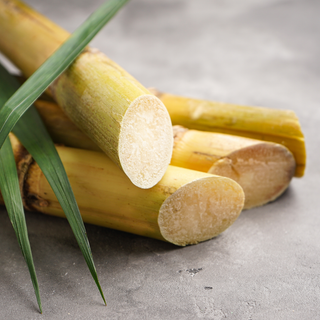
(265, 266)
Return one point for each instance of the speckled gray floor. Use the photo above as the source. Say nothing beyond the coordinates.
(267, 265)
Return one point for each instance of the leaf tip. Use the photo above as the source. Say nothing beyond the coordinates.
(104, 300)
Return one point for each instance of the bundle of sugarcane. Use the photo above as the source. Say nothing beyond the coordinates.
(133, 188)
(134, 129)
(263, 169)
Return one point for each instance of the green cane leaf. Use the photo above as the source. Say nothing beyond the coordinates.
(19, 103)
(35, 138)
(31, 131)
(9, 185)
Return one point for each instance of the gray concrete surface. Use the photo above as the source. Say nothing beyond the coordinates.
(265, 266)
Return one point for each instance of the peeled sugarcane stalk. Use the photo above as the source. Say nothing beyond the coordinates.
(185, 207)
(263, 169)
(279, 126)
(122, 117)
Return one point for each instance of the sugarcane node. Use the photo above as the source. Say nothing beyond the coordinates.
(23, 161)
(32, 189)
(178, 132)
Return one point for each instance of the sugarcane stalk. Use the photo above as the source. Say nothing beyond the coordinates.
(263, 169)
(122, 117)
(185, 207)
(279, 126)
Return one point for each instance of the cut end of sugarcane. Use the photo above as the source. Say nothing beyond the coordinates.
(146, 141)
(200, 210)
(263, 170)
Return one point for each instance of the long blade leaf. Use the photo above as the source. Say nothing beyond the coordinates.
(9, 185)
(35, 138)
(19, 103)
(36, 141)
